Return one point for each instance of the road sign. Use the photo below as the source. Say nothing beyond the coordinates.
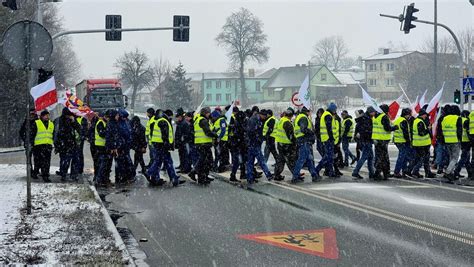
(295, 99)
(27, 44)
(320, 242)
(468, 86)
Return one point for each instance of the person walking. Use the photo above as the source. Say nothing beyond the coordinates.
(317, 127)
(464, 161)
(328, 129)
(220, 127)
(103, 163)
(254, 141)
(303, 130)
(124, 169)
(83, 137)
(452, 129)
(238, 147)
(402, 139)
(66, 143)
(268, 128)
(139, 144)
(286, 143)
(150, 113)
(42, 130)
(382, 134)
(347, 135)
(421, 142)
(363, 133)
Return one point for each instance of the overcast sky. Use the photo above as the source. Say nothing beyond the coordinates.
(293, 27)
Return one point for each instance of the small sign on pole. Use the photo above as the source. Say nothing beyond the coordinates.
(295, 99)
(468, 86)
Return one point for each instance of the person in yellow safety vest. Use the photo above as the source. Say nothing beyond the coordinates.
(286, 143)
(363, 133)
(304, 139)
(104, 160)
(83, 136)
(451, 128)
(382, 134)
(220, 127)
(150, 113)
(338, 158)
(465, 147)
(348, 126)
(329, 132)
(268, 128)
(203, 137)
(402, 139)
(421, 142)
(42, 130)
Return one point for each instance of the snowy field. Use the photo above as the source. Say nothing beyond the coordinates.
(67, 225)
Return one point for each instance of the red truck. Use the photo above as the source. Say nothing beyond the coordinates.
(101, 94)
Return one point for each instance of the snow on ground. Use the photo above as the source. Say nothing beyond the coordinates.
(66, 226)
(11, 149)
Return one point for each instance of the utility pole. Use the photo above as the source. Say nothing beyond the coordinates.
(435, 45)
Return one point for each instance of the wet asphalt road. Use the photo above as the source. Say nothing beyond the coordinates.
(396, 222)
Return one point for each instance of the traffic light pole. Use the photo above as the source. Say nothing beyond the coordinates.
(458, 45)
(118, 30)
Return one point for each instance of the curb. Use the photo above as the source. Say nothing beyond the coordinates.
(12, 151)
(111, 226)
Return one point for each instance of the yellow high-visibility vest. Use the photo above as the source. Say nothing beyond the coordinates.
(217, 125)
(350, 134)
(418, 140)
(265, 125)
(279, 131)
(322, 126)
(99, 141)
(336, 130)
(199, 136)
(44, 136)
(378, 132)
(157, 136)
(471, 122)
(297, 127)
(449, 128)
(398, 136)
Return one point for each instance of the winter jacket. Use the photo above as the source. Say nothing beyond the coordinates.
(112, 135)
(32, 134)
(254, 131)
(138, 137)
(67, 134)
(364, 128)
(180, 134)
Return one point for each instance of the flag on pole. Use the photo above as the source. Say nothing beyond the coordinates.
(304, 93)
(423, 100)
(394, 107)
(199, 107)
(368, 100)
(432, 108)
(76, 106)
(44, 94)
(414, 111)
(228, 114)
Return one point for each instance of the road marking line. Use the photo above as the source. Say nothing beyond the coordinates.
(402, 219)
(438, 203)
(434, 185)
(346, 186)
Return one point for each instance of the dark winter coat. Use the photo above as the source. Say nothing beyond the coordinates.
(254, 131)
(138, 135)
(181, 134)
(23, 131)
(237, 127)
(67, 134)
(125, 134)
(364, 128)
(112, 135)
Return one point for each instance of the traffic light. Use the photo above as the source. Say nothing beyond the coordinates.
(11, 4)
(409, 18)
(457, 97)
(44, 75)
(113, 22)
(181, 35)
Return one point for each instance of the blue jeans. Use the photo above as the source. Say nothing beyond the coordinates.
(442, 157)
(464, 160)
(320, 148)
(305, 157)
(328, 158)
(402, 159)
(255, 152)
(162, 157)
(347, 153)
(67, 160)
(193, 153)
(367, 155)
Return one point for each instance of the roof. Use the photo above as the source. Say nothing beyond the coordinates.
(221, 75)
(345, 78)
(194, 76)
(267, 74)
(391, 55)
(290, 76)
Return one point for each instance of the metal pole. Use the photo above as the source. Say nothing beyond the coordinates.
(31, 74)
(117, 30)
(456, 41)
(435, 45)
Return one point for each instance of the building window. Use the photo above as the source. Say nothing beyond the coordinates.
(218, 97)
(208, 97)
(390, 67)
(208, 84)
(228, 97)
(257, 86)
(324, 77)
(218, 84)
(372, 82)
(372, 67)
(381, 66)
(228, 84)
(271, 92)
(389, 82)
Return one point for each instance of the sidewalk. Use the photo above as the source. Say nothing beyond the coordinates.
(66, 226)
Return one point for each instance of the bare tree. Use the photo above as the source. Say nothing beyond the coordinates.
(135, 70)
(161, 69)
(330, 51)
(243, 37)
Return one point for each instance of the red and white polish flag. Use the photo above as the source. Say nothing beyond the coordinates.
(45, 94)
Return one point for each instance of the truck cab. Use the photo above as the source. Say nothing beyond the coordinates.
(101, 94)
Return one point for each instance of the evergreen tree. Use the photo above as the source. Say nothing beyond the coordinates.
(178, 89)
